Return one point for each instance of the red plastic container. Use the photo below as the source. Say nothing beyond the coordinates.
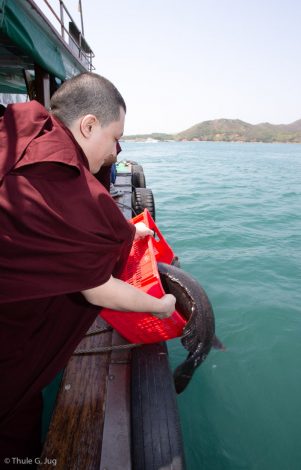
(141, 271)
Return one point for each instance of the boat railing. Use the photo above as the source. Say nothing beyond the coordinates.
(71, 35)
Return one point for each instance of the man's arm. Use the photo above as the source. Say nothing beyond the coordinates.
(118, 295)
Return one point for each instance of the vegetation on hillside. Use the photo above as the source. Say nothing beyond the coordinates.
(231, 130)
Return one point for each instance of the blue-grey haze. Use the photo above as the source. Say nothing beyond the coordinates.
(232, 214)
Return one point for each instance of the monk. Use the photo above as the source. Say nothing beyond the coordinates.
(63, 243)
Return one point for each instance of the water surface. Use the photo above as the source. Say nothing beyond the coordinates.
(232, 214)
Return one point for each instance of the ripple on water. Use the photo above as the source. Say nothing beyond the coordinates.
(231, 213)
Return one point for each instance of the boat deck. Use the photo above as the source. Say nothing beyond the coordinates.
(92, 409)
(115, 410)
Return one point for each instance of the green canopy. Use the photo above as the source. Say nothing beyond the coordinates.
(26, 38)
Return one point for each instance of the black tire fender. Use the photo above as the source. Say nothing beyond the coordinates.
(156, 431)
(138, 177)
(142, 198)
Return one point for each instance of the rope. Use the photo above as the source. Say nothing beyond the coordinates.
(105, 349)
(121, 204)
(97, 330)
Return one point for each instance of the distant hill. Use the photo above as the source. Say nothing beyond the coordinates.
(231, 130)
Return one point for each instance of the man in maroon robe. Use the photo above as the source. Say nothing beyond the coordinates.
(63, 243)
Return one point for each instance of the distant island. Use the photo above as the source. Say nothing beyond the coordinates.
(229, 130)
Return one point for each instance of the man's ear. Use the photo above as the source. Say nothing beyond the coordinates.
(86, 125)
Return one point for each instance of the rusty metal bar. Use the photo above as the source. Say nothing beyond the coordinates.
(62, 19)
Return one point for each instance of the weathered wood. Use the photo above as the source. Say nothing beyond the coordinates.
(42, 86)
(94, 391)
(116, 442)
(124, 183)
(74, 439)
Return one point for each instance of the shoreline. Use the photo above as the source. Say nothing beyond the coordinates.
(145, 141)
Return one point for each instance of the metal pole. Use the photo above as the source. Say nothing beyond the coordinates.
(62, 19)
(81, 16)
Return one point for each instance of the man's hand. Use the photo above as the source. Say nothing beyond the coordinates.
(168, 302)
(142, 230)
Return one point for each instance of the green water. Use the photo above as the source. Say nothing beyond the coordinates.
(232, 214)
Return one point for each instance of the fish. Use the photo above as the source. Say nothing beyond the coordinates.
(194, 305)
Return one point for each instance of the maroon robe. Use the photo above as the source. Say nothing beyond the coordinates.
(61, 233)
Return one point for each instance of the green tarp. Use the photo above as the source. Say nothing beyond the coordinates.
(7, 86)
(28, 38)
(20, 23)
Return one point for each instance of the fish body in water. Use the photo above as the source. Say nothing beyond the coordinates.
(199, 332)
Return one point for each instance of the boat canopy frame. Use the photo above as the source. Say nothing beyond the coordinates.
(29, 42)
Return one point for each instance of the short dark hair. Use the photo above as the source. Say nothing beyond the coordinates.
(87, 93)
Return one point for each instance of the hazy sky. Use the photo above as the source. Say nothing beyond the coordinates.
(178, 63)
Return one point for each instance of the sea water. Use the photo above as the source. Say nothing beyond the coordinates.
(231, 212)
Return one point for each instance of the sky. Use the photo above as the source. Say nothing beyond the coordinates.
(178, 63)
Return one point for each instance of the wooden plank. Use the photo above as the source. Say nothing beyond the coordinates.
(74, 439)
(124, 202)
(90, 426)
(124, 179)
(42, 86)
(116, 442)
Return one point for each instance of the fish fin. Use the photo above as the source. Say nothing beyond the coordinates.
(176, 262)
(217, 344)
